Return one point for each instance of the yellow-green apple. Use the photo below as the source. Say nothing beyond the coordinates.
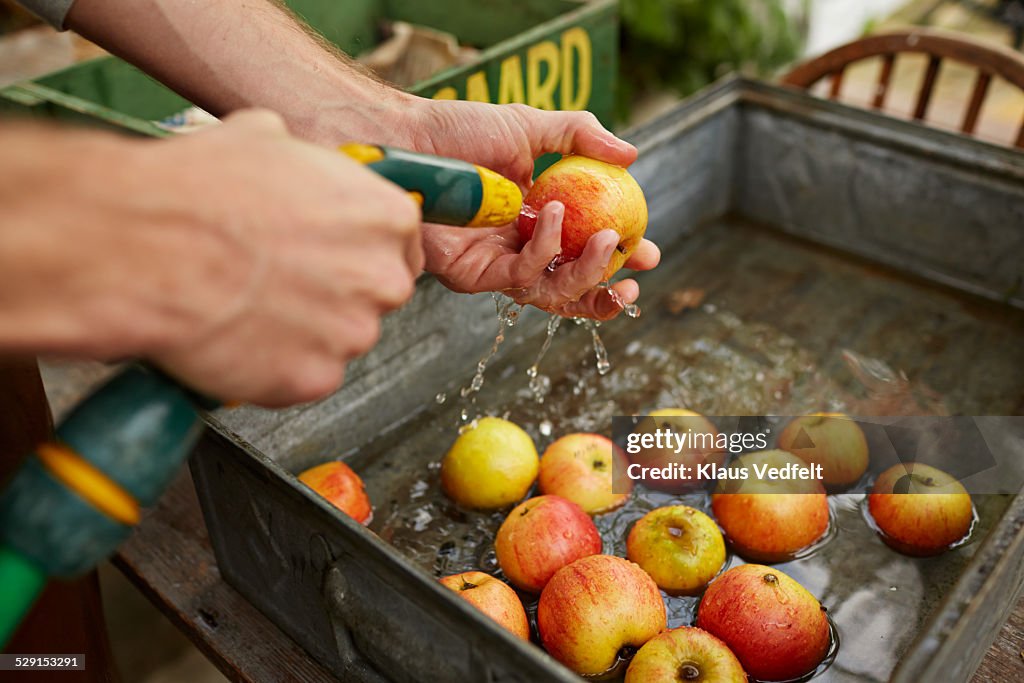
(491, 465)
(542, 535)
(492, 597)
(342, 488)
(769, 519)
(679, 546)
(597, 196)
(832, 440)
(701, 448)
(773, 625)
(685, 655)
(580, 467)
(919, 509)
(597, 612)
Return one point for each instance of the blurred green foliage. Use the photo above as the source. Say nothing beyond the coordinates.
(685, 44)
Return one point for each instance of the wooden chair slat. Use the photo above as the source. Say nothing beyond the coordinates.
(837, 84)
(981, 83)
(927, 87)
(989, 60)
(883, 80)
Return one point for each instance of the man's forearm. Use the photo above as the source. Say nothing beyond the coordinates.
(233, 54)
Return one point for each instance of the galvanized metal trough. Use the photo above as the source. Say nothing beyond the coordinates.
(810, 227)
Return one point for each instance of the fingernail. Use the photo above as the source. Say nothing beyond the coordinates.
(556, 209)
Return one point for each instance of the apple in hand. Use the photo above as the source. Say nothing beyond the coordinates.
(679, 546)
(832, 440)
(540, 536)
(597, 196)
(770, 520)
(580, 467)
(493, 598)
(492, 464)
(597, 611)
(773, 625)
(920, 510)
(685, 655)
(342, 488)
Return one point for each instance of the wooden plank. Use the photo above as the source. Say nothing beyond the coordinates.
(170, 560)
(981, 83)
(1005, 659)
(837, 84)
(927, 87)
(883, 80)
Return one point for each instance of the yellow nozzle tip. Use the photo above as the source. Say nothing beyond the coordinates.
(364, 154)
(502, 200)
(89, 482)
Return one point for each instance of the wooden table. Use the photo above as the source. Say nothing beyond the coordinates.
(170, 559)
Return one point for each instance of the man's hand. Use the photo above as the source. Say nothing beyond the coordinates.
(248, 264)
(272, 61)
(507, 139)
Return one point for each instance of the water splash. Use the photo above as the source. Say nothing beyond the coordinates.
(631, 310)
(600, 352)
(508, 313)
(540, 384)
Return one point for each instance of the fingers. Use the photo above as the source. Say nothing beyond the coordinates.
(538, 253)
(573, 279)
(575, 133)
(603, 303)
(646, 256)
(258, 120)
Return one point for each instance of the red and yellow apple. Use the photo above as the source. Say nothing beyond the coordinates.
(679, 546)
(770, 520)
(701, 448)
(492, 597)
(832, 440)
(542, 535)
(919, 509)
(491, 465)
(580, 468)
(773, 625)
(597, 611)
(597, 196)
(342, 488)
(685, 655)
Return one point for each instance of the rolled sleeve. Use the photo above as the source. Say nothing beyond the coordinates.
(52, 12)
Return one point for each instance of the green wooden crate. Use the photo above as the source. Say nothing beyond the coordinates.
(552, 54)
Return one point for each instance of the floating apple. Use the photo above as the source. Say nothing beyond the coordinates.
(342, 488)
(685, 655)
(493, 598)
(542, 535)
(701, 448)
(766, 519)
(773, 625)
(597, 196)
(832, 440)
(919, 509)
(580, 467)
(598, 611)
(491, 465)
(679, 546)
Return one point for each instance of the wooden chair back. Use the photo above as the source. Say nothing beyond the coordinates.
(989, 60)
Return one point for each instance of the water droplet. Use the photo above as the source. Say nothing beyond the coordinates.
(540, 385)
(545, 428)
(600, 352)
(441, 398)
(893, 589)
